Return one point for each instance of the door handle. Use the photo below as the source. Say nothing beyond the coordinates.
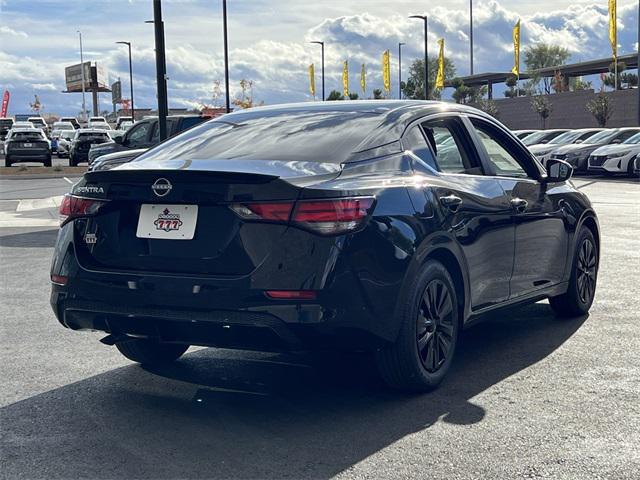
(519, 204)
(452, 202)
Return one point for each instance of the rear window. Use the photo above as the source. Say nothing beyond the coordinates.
(312, 136)
(93, 137)
(6, 123)
(22, 136)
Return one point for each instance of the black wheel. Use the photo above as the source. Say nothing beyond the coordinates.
(424, 349)
(72, 162)
(150, 352)
(584, 275)
(630, 168)
(47, 162)
(7, 161)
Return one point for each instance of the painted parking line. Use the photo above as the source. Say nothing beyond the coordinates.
(9, 219)
(39, 203)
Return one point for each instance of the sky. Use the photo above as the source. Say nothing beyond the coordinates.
(269, 43)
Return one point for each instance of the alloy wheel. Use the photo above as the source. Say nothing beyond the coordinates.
(435, 327)
(586, 274)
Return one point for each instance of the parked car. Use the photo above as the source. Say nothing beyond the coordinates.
(145, 134)
(38, 122)
(72, 120)
(543, 151)
(27, 145)
(123, 120)
(578, 155)
(522, 134)
(636, 169)
(99, 125)
(5, 126)
(618, 158)
(63, 143)
(317, 224)
(97, 119)
(83, 140)
(113, 160)
(113, 134)
(22, 124)
(543, 136)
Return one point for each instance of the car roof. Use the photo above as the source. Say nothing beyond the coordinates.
(26, 129)
(91, 130)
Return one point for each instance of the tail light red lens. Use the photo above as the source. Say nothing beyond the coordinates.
(74, 207)
(327, 217)
(291, 294)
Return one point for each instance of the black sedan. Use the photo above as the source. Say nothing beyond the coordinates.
(82, 142)
(380, 225)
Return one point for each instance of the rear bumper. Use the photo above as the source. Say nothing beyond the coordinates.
(32, 155)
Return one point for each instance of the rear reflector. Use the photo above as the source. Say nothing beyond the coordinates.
(291, 294)
(59, 279)
(74, 207)
(327, 217)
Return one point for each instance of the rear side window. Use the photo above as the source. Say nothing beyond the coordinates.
(626, 135)
(415, 141)
(449, 141)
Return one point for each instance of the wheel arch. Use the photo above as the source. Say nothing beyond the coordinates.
(590, 221)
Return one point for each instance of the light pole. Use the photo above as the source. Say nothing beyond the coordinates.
(400, 70)
(161, 68)
(322, 48)
(226, 56)
(470, 37)
(84, 108)
(133, 111)
(426, 53)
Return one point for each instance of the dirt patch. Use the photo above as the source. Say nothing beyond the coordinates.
(24, 170)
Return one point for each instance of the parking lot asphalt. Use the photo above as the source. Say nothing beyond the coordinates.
(529, 396)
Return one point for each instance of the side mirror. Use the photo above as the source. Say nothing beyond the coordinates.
(578, 141)
(118, 140)
(616, 141)
(558, 171)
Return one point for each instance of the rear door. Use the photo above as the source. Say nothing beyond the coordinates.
(473, 207)
(541, 229)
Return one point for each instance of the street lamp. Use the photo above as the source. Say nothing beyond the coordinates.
(84, 108)
(322, 46)
(226, 56)
(426, 53)
(133, 111)
(400, 70)
(470, 37)
(161, 68)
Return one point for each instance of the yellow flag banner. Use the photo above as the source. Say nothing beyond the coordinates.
(312, 80)
(345, 78)
(386, 71)
(440, 75)
(613, 27)
(363, 80)
(516, 50)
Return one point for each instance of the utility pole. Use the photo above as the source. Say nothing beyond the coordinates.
(226, 56)
(84, 108)
(471, 37)
(322, 50)
(161, 68)
(426, 53)
(133, 111)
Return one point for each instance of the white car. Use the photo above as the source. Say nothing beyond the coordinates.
(64, 142)
(96, 125)
(543, 151)
(617, 158)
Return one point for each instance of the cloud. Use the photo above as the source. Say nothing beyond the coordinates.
(269, 44)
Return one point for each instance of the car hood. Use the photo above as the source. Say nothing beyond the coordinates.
(579, 148)
(609, 149)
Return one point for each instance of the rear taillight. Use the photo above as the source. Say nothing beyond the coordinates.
(327, 216)
(74, 207)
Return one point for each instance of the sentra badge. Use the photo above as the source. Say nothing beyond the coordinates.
(168, 221)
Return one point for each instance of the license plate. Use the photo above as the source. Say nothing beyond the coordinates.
(27, 145)
(167, 222)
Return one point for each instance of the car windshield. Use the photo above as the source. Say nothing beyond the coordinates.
(539, 137)
(603, 137)
(570, 137)
(6, 122)
(22, 136)
(314, 136)
(633, 140)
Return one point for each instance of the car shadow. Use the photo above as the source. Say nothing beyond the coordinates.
(223, 414)
(31, 239)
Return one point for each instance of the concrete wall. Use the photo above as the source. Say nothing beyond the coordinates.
(569, 110)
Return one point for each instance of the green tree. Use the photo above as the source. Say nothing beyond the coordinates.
(335, 95)
(609, 80)
(601, 108)
(414, 87)
(514, 90)
(544, 55)
(576, 84)
(353, 96)
(377, 94)
(489, 106)
(542, 106)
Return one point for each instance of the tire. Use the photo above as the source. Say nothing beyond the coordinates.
(72, 163)
(7, 161)
(630, 168)
(150, 352)
(407, 366)
(579, 297)
(47, 162)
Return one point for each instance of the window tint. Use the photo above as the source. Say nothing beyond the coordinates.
(26, 136)
(415, 141)
(447, 140)
(138, 135)
(189, 122)
(498, 151)
(626, 135)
